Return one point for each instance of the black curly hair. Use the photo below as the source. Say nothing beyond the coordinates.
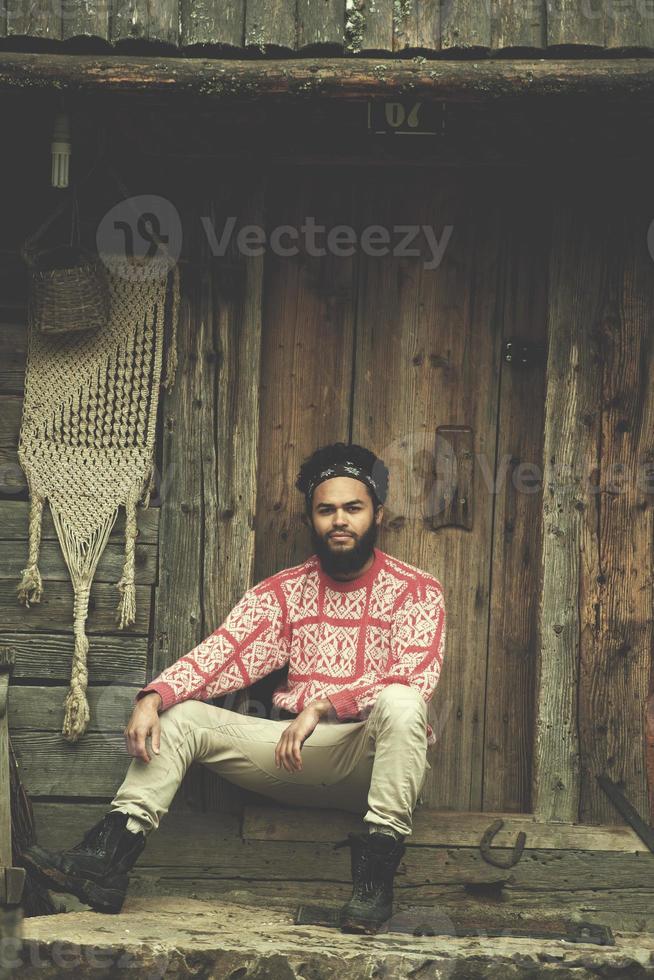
(341, 452)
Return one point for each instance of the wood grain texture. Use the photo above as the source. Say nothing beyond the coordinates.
(577, 274)
(13, 351)
(369, 26)
(516, 534)
(518, 24)
(41, 709)
(51, 766)
(55, 610)
(628, 26)
(443, 828)
(213, 79)
(465, 24)
(257, 26)
(426, 339)
(210, 437)
(570, 23)
(207, 23)
(417, 25)
(320, 25)
(39, 19)
(306, 357)
(88, 18)
(47, 656)
(138, 20)
(213, 853)
(616, 589)
(270, 25)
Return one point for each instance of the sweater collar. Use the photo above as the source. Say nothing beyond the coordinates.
(360, 582)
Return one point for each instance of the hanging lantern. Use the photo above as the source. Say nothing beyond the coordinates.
(61, 149)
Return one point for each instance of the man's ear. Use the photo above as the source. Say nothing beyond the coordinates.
(379, 514)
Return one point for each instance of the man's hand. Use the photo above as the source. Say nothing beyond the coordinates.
(287, 750)
(144, 721)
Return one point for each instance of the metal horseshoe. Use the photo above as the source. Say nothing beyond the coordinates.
(486, 850)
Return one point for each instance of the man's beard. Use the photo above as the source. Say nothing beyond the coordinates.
(348, 560)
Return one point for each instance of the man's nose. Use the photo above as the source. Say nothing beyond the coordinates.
(340, 520)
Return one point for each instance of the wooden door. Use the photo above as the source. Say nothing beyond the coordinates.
(403, 353)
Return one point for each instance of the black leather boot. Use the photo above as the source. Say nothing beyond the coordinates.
(95, 870)
(375, 859)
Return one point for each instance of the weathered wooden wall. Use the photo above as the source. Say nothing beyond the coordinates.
(257, 27)
(549, 592)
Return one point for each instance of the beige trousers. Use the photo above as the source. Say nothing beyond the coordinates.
(375, 767)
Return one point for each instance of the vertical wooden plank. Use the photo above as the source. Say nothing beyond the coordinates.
(306, 355)
(232, 305)
(572, 23)
(178, 620)
(320, 23)
(518, 24)
(616, 589)
(270, 25)
(34, 18)
(465, 24)
(139, 20)
(629, 25)
(368, 26)
(513, 633)
(178, 611)
(210, 439)
(206, 22)
(426, 340)
(417, 25)
(86, 19)
(577, 275)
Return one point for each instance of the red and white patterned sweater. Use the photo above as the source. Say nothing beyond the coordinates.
(342, 640)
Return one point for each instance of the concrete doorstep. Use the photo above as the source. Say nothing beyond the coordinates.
(171, 937)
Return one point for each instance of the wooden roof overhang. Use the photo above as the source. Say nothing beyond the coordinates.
(305, 79)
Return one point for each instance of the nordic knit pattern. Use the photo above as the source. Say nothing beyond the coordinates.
(342, 640)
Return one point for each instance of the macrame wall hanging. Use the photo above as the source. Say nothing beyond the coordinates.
(87, 440)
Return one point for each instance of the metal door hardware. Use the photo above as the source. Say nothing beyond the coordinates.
(523, 353)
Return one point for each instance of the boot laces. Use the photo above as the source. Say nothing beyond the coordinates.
(366, 883)
(97, 836)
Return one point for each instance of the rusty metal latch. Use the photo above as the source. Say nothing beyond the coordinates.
(486, 850)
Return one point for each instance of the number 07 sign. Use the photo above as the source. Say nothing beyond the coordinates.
(405, 117)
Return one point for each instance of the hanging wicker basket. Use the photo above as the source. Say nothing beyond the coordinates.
(68, 286)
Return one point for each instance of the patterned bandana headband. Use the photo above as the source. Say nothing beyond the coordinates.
(342, 469)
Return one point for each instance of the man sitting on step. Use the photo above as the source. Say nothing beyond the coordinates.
(363, 635)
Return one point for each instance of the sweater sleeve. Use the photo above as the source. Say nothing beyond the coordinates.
(417, 647)
(251, 643)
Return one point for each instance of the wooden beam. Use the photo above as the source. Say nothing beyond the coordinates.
(442, 828)
(327, 78)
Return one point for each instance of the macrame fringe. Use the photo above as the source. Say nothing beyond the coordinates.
(30, 588)
(126, 585)
(171, 356)
(76, 707)
(81, 558)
